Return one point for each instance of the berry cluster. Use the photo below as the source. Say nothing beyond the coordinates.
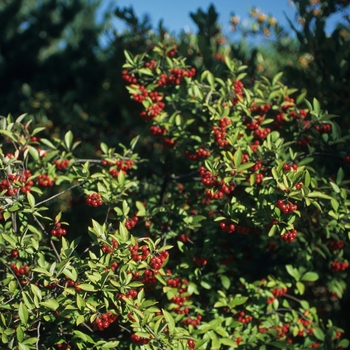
(254, 146)
(113, 266)
(14, 254)
(291, 166)
(75, 285)
(19, 270)
(94, 200)
(289, 103)
(281, 331)
(258, 178)
(176, 74)
(61, 164)
(63, 346)
(181, 297)
(261, 133)
(191, 344)
(169, 143)
(324, 128)
(200, 154)
(242, 317)
(149, 280)
(218, 188)
(195, 322)
(243, 229)
(263, 109)
(336, 245)
(137, 340)
(304, 141)
(286, 207)
(238, 89)
(58, 231)
(109, 249)
(346, 159)
(155, 96)
(120, 165)
(45, 180)
(158, 261)
(104, 321)
(16, 182)
(289, 236)
(130, 223)
(152, 111)
(278, 292)
(184, 238)
(157, 130)
(300, 114)
(130, 294)
(220, 132)
(280, 117)
(172, 52)
(129, 78)
(337, 266)
(200, 261)
(134, 250)
(151, 64)
(141, 94)
(228, 227)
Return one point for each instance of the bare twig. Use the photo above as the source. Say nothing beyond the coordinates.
(57, 195)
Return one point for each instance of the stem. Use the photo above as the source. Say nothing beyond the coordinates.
(57, 194)
(38, 334)
(292, 297)
(51, 242)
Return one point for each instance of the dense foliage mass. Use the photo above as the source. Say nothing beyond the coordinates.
(221, 224)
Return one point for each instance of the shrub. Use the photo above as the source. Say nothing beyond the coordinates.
(228, 231)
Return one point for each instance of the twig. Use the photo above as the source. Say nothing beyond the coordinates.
(38, 334)
(51, 242)
(292, 297)
(57, 195)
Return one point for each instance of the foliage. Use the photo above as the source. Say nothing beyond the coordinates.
(222, 225)
(311, 56)
(234, 177)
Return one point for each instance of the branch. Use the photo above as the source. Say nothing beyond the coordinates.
(57, 195)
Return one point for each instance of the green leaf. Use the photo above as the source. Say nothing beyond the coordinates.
(205, 285)
(225, 282)
(276, 78)
(170, 321)
(83, 336)
(33, 152)
(31, 200)
(317, 194)
(301, 288)
(87, 287)
(316, 105)
(129, 57)
(36, 291)
(19, 334)
(310, 277)
(80, 302)
(293, 272)
(50, 304)
(228, 342)
(68, 140)
(141, 209)
(318, 333)
(237, 158)
(340, 176)
(23, 313)
(124, 233)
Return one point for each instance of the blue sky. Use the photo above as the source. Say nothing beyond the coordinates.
(175, 13)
